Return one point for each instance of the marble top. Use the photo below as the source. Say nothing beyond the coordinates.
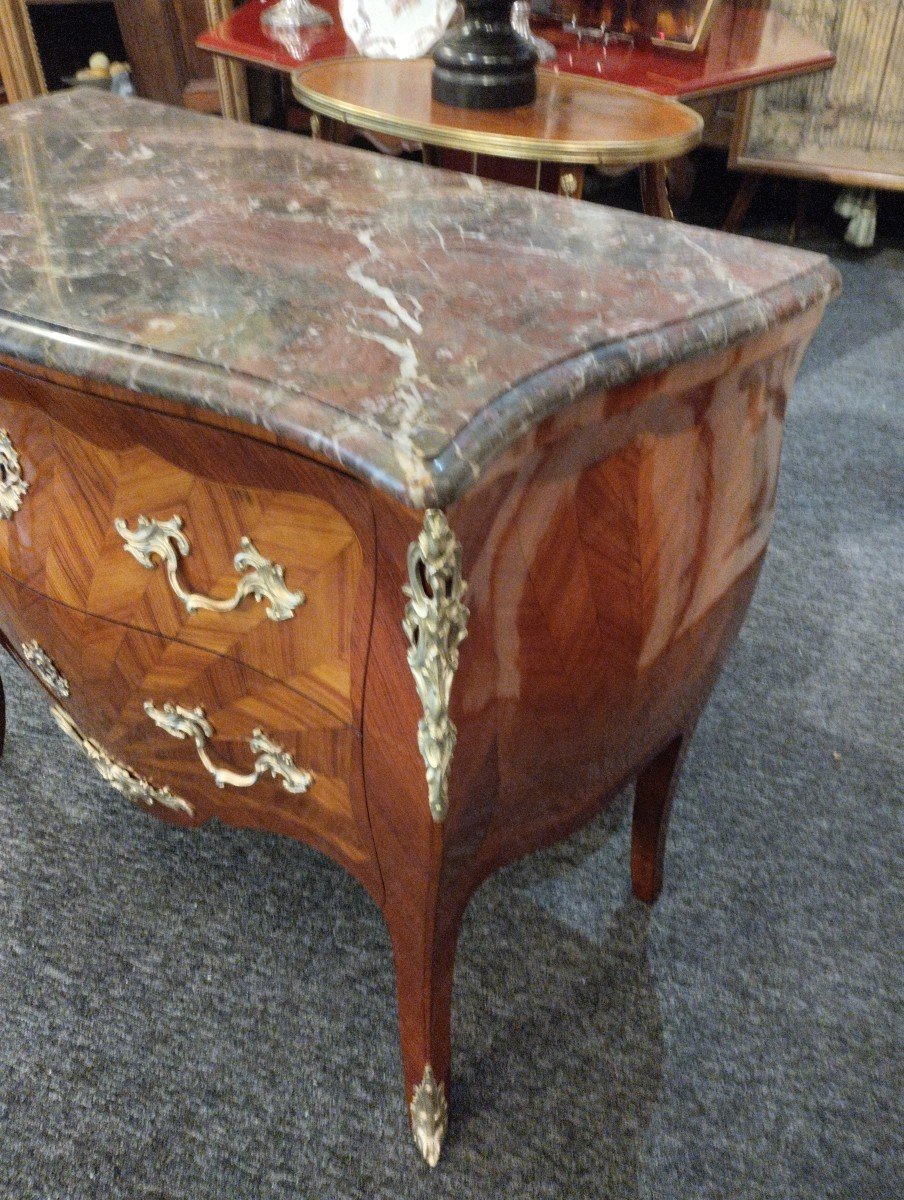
(406, 323)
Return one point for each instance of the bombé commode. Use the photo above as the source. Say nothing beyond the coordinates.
(401, 514)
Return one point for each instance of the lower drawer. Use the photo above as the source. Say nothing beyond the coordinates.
(197, 735)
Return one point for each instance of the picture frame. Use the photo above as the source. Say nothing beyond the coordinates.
(20, 63)
(232, 79)
(844, 126)
(662, 28)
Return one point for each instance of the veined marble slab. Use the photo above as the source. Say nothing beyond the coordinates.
(408, 324)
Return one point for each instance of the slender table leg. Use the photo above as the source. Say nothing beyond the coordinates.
(653, 795)
(325, 129)
(740, 206)
(654, 191)
(800, 211)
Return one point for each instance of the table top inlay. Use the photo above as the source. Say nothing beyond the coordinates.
(408, 324)
(572, 120)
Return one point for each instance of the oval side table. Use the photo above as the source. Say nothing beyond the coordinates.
(574, 122)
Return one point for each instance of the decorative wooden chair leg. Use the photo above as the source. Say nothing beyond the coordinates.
(424, 952)
(653, 796)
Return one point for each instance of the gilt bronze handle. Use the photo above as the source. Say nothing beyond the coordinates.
(271, 759)
(265, 580)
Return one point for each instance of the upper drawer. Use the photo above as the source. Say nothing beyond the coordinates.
(102, 475)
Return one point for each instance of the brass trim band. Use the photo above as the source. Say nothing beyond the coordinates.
(501, 145)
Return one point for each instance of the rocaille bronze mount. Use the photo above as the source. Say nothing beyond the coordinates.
(484, 63)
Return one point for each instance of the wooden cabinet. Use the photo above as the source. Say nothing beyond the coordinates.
(160, 41)
(519, 455)
(157, 37)
(594, 580)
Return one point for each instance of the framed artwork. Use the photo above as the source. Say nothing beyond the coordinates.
(232, 80)
(672, 24)
(20, 66)
(845, 126)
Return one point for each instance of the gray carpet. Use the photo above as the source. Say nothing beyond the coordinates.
(211, 1015)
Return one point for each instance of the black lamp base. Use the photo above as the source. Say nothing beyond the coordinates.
(484, 63)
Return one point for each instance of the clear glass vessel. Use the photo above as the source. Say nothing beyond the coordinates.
(521, 24)
(295, 14)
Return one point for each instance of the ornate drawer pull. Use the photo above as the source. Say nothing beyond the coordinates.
(129, 784)
(12, 486)
(265, 580)
(45, 669)
(271, 758)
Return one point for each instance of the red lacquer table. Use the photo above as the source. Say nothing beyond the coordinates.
(749, 45)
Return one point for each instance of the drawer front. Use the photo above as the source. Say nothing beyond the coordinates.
(266, 758)
(203, 536)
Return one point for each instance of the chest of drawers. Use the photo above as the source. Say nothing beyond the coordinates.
(371, 505)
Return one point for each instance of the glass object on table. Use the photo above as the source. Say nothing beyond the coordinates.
(582, 18)
(521, 24)
(294, 14)
(395, 28)
(297, 41)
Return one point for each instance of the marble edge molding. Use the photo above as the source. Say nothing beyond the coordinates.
(366, 451)
(613, 364)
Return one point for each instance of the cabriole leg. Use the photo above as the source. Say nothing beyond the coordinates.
(654, 191)
(424, 941)
(653, 795)
(5, 645)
